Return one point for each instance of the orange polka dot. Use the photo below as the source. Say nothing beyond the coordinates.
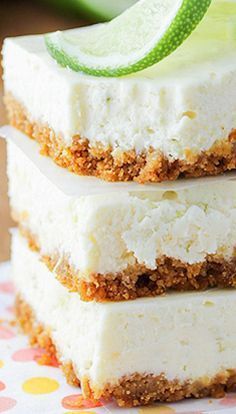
(2, 386)
(6, 404)
(47, 360)
(1, 363)
(77, 401)
(156, 410)
(40, 385)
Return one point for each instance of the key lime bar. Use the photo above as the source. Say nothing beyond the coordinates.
(177, 118)
(121, 244)
(157, 351)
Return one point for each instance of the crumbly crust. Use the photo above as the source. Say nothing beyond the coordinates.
(139, 281)
(99, 161)
(132, 390)
(40, 335)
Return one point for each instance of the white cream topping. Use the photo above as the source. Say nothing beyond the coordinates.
(185, 336)
(105, 233)
(187, 101)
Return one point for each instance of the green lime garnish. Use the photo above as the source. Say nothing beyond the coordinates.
(140, 37)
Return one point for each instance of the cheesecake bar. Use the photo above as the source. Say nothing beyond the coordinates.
(119, 245)
(177, 118)
(165, 349)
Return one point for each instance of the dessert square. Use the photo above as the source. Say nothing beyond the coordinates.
(85, 248)
(120, 245)
(174, 119)
(136, 352)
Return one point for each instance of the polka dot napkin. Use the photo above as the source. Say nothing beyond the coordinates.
(26, 387)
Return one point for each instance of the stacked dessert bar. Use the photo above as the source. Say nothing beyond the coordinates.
(127, 284)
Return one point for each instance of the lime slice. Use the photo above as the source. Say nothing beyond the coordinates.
(140, 37)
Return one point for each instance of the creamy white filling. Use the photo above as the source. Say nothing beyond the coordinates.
(106, 233)
(185, 102)
(184, 336)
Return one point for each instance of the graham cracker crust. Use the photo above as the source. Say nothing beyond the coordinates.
(132, 390)
(99, 161)
(138, 281)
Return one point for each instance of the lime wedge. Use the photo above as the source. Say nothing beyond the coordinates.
(140, 37)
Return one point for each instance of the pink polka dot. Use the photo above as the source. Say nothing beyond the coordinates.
(6, 333)
(6, 404)
(27, 354)
(229, 401)
(6, 287)
(2, 386)
(77, 401)
(10, 309)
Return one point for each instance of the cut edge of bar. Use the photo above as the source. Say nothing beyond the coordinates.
(99, 161)
(130, 391)
(139, 281)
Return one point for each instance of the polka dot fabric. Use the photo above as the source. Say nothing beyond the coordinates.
(27, 387)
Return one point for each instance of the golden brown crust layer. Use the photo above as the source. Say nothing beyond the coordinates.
(132, 390)
(135, 282)
(151, 166)
(138, 281)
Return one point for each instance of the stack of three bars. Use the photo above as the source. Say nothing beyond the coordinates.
(90, 266)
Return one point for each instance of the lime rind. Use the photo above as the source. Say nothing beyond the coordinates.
(181, 24)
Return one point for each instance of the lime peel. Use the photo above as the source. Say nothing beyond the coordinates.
(140, 37)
